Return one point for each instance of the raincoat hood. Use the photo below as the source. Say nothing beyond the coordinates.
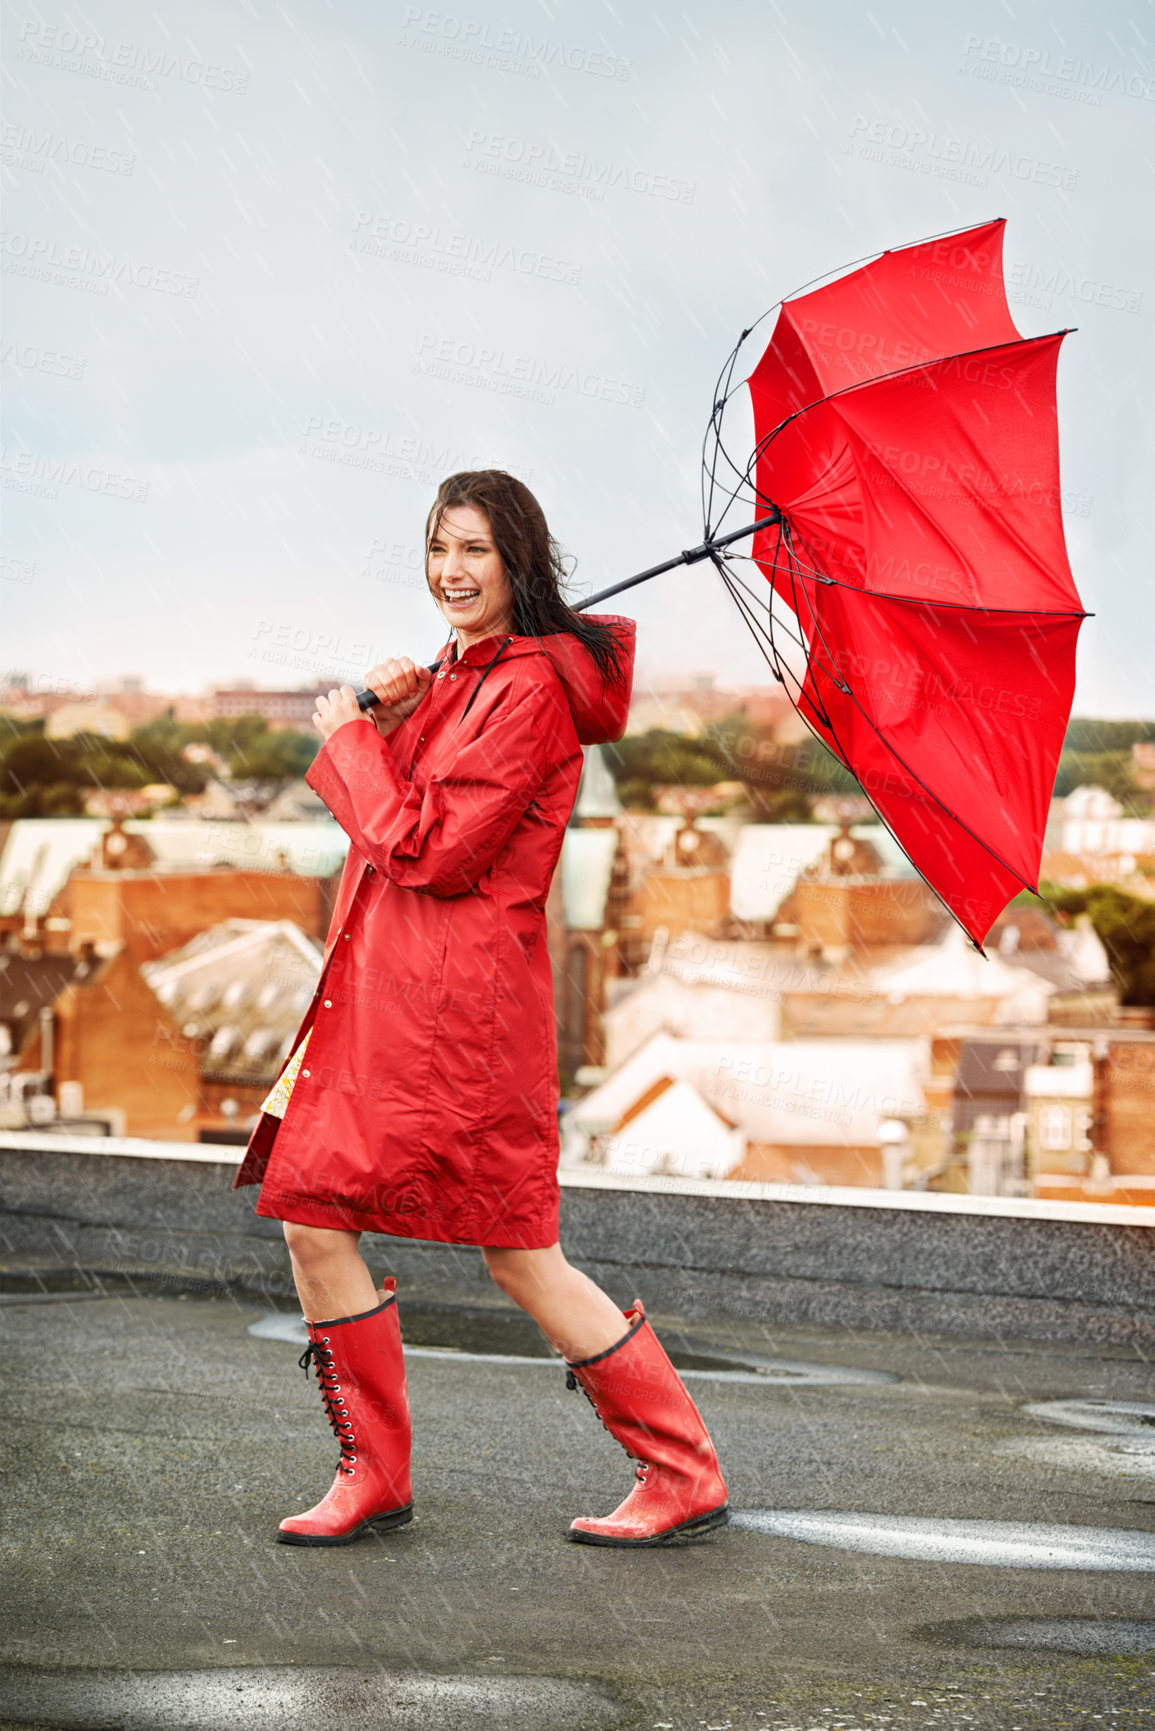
(599, 713)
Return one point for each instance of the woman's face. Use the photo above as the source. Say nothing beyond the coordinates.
(466, 576)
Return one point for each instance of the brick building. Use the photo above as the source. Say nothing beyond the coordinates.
(99, 1029)
(279, 708)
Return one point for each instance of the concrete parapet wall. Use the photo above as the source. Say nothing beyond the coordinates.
(970, 1267)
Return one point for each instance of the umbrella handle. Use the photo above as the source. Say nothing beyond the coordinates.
(689, 556)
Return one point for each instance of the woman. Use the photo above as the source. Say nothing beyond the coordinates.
(421, 1096)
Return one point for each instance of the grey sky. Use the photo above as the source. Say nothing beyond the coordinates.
(280, 372)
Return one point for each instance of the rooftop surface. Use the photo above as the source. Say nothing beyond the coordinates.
(154, 1438)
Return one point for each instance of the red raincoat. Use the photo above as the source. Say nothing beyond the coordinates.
(427, 1104)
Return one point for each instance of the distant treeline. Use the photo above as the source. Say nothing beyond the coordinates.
(42, 777)
(782, 780)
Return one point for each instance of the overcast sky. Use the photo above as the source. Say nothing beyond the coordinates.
(271, 270)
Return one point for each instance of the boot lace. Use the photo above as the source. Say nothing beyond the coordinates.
(643, 1467)
(320, 1355)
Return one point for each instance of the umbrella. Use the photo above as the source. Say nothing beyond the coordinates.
(921, 612)
(907, 436)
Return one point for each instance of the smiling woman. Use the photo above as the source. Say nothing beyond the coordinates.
(467, 576)
(426, 1103)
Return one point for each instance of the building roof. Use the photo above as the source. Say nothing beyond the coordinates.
(673, 1128)
(29, 984)
(807, 1093)
(953, 968)
(40, 853)
(296, 803)
(743, 965)
(587, 864)
(597, 794)
(769, 858)
(648, 837)
(241, 988)
(993, 1070)
(1059, 1082)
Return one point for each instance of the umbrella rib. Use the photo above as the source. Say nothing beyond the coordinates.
(955, 606)
(782, 672)
(843, 755)
(915, 367)
(898, 758)
(754, 597)
(831, 275)
(727, 368)
(837, 751)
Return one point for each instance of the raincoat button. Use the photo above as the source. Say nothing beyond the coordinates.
(453, 676)
(441, 676)
(328, 1003)
(305, 1072)
(347, 938)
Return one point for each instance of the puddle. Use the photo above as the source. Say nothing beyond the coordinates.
(993, 1544)
(695, 1364)
(296, 1698)
(1116, 1459)
(1100, 1637)
(1132, 1418)
(1123, 1448)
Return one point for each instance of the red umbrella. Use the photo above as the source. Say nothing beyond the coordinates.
(907, 443)
(906, 475)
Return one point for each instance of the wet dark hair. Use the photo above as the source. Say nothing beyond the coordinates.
(532, 558)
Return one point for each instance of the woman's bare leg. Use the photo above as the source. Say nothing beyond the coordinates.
(331, 1276)
(575, 1315)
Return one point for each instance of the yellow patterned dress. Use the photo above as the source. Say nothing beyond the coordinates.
(278, 1096)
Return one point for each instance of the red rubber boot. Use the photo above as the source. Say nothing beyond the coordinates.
(643, 1403)
(362, 1376)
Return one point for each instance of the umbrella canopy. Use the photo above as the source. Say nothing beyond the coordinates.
(907, 440)
(906, 478)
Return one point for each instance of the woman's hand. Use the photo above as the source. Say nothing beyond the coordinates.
(335, 710)
(399, 686)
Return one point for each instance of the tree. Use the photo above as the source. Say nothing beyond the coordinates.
(1095, 736)
(751, 755)
(254, 750)
(39, 777)
(1107, 769)
(1126, 928)
(643, 761)
(158, 746)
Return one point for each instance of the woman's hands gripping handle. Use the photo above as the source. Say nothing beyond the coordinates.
(393, 690)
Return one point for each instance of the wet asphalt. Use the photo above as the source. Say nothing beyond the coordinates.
(152, 1443)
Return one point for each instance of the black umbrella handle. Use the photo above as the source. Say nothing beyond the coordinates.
(689, 556)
